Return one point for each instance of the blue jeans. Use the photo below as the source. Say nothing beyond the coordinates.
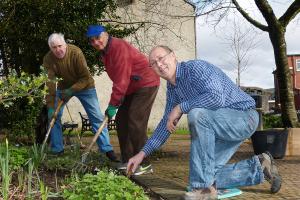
(90, 103)
(215, 137)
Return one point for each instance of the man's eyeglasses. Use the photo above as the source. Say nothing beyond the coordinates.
(160, 59)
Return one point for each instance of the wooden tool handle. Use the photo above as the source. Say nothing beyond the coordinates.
(100, 129)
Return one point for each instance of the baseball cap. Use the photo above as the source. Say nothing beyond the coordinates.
(94, 30)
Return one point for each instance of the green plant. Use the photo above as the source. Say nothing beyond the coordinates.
(272, 121)
(44, 191)
(16, 86)
(20, 102)
(21, 179)
(29, 179)
(38, 155)
(103, 186)
(5, 172)
(24, 31)
(182, 131)
(63, 163)
(17, 156)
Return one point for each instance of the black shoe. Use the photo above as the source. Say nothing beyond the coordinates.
(112, 156)
(270, 171)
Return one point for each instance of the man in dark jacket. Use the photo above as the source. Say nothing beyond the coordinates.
(135, 86)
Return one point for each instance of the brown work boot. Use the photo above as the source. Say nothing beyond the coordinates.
(201, 194)
(270, 171)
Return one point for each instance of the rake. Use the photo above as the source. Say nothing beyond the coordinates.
(59, 104)
(81, 166)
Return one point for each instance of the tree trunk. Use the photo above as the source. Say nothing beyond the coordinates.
(286, 93)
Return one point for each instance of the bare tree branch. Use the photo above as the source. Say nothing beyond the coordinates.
(159, 23)
(267, 11)
(240, 42)
(248, 18)
(290, 13)
(188, 2)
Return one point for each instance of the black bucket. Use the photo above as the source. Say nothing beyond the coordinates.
(272, 140)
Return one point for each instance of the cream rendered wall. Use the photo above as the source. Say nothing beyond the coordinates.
(176, 32)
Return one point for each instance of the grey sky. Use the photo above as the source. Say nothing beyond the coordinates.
(211, 47)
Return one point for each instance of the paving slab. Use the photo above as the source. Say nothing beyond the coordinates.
(163, 188)
(170, 175)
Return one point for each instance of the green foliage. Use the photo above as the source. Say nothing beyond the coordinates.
(182, 131)
(44, 191)
(179, 131)
(25, 85)
(103, 186)
(38, 155)
(27, 24)
(62, 163)
(5, 172)
(29, 183)
(71, 158)
(20, 102)
(272, 121)
(20, 119)
(29, 179)
(18, 156)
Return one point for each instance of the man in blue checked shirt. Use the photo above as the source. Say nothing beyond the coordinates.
(220, 115)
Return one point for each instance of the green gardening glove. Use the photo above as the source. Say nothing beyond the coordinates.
(50, 113)
(66, 94)
(111, 111)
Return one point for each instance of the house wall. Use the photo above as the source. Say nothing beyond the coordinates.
(295, 78)
(294, 72)
(176, 32)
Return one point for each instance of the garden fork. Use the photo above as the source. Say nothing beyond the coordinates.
(84, 155)
(59, 104)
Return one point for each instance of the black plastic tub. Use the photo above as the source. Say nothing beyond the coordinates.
(272, 140)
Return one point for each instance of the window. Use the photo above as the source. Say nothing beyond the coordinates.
(298, 65)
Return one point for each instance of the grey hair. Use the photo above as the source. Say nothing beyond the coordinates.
(56, 37)
(166, 48)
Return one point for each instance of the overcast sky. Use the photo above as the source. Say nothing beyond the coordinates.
(211, 47)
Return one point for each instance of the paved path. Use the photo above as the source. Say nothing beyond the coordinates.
(171, 172)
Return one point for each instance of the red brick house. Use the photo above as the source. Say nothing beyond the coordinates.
(294, 65)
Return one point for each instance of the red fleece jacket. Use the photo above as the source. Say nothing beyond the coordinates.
(128, 69)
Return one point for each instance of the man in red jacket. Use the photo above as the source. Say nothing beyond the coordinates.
(135, 86)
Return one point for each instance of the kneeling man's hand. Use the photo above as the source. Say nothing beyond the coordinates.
(134, 162)
(173, 119)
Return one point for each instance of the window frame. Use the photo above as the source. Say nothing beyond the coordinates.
(297, 62)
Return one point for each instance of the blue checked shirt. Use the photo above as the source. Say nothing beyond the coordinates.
(199, 84)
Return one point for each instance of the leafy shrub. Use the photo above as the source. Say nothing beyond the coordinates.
(20, 119)
(18, 156)
(103, 186)
(71, 159)
(21, 97)
(272, 121)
